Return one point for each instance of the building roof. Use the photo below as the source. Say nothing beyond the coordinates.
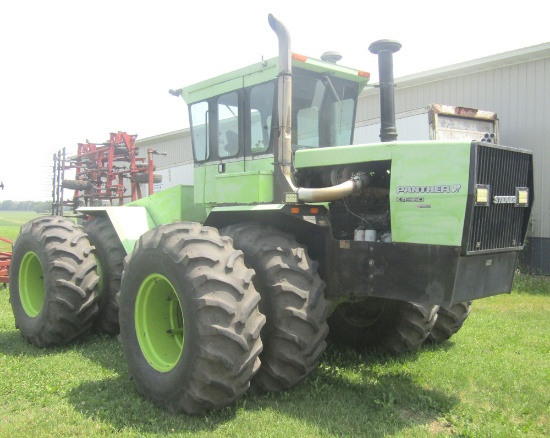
(513, 57)
(155, 139)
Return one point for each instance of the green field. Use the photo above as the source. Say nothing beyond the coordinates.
(491, 380)
(10, 221)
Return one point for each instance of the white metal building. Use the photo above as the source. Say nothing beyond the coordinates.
(515, 85)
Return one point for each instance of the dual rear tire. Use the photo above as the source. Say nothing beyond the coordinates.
(190, 316)
(54, 283)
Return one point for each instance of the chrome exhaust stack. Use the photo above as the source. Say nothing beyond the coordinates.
(283, 131)
(283, 149)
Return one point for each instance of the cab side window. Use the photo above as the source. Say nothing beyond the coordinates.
(261, 108)
(228, 125)
(199, 122)
(235, 124)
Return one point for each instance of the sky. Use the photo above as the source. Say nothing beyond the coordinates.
(72, 71)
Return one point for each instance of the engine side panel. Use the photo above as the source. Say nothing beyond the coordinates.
(429, 192)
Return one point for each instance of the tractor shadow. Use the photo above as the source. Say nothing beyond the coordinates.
(360, 393)
(349, 394)
(116, 402)
(97, 348)
(12, 343)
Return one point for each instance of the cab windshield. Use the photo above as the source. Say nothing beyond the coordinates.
(323, 110)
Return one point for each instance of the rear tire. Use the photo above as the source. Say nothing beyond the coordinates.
(110, 254)
(449, 321)
(189, 319)
(387, 326)
(53, 281)
(292, 300)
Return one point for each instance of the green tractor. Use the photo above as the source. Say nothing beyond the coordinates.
(290, 233)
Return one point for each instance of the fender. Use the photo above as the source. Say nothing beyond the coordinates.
(129, 222)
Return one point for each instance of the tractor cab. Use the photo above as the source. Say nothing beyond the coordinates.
(235, 124)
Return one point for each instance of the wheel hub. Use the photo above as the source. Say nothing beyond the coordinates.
(159, 322)
(31, 284)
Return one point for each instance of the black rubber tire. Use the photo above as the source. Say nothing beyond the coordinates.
(143, 178)
(110, 254)
(292, 300)
(383, 325)
(122, 150)
(65, 275)
(76, 184)
(449, 321)
(219, 311)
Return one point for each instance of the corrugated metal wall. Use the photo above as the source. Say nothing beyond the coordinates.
(176, 145)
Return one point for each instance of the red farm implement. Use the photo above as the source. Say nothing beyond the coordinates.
(107, 173)
(5, 260)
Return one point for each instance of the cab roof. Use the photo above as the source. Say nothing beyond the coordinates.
(265, 71)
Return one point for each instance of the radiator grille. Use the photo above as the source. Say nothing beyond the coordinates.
(500, 226)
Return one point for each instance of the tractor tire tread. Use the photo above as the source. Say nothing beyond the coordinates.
(222, 353)
(449, 321)
(70, 281)
(399, 326)
(111, 253)
(292, 300)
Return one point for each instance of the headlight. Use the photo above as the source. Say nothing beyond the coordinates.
(483, 195)
(522, 196)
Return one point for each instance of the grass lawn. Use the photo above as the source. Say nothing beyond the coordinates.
(491, 380)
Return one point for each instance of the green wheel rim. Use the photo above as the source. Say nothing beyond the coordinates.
(159, 322)
(31, 284)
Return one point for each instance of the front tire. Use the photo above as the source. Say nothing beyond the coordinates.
(189, 319)
(53, 281)
(387, 326)
(292, 300)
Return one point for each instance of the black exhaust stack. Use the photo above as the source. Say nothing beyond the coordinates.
(385, 50)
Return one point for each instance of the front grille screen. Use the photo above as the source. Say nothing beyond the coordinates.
(500, 225)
